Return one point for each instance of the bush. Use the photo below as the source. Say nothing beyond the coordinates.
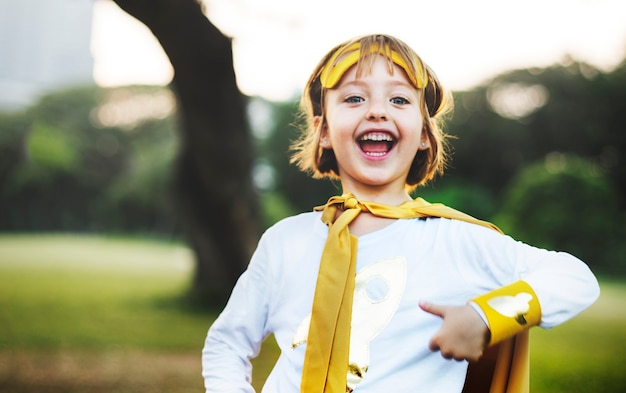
(566, 203)
(90, 159)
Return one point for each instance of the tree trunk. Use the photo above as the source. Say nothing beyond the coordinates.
(215, 195)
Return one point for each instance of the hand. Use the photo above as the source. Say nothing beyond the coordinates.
(463, 334)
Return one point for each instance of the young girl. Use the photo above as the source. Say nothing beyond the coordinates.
(374, 291)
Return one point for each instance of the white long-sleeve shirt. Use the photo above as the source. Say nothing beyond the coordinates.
(439, 260)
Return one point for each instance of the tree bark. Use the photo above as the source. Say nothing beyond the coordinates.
(216, 198)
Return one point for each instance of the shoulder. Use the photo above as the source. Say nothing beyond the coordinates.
(460, 229)
(286, 240)
(290, 250)
(296, 221)
(300, 225)
(466, 238)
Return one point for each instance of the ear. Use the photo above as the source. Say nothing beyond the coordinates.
(424, 141)
(324, 141)
(316, 121)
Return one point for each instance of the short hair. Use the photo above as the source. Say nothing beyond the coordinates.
(435, 102)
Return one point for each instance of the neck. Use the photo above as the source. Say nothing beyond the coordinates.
(384, 197)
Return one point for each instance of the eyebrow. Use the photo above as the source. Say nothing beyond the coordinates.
(359, 82)
(394, 84)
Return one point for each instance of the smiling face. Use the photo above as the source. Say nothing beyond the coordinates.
(374, 126)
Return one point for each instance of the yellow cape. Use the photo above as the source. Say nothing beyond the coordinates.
(504, 368)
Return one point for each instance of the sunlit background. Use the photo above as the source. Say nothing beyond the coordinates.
(277, 43)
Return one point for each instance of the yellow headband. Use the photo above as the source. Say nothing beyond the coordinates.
(334, 69)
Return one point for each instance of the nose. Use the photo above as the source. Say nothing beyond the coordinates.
(377, 110)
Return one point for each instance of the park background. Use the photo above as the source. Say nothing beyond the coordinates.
(97, 271)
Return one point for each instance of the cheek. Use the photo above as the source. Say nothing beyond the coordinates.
(411, 123)
(426, 133)
(339, 128)
(420, 127)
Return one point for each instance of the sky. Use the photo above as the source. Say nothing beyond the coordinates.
(276, 43)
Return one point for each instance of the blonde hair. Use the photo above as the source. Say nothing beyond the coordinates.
(435, 102)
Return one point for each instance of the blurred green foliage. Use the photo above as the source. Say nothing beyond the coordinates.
(567, 203)
(51, 148)
(89, 159)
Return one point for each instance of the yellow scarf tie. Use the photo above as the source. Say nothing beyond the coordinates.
(328, 344)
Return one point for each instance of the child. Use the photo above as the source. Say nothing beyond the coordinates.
(374, 291)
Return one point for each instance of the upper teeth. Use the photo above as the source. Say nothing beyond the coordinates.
(377, 137)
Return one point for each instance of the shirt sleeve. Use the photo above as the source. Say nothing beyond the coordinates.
(237, 334)
(565, 286)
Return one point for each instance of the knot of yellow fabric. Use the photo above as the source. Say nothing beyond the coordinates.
(350, 202)
(328, 344)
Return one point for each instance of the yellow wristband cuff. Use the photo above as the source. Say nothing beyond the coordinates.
(510, 310)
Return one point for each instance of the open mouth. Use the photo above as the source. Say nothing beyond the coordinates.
(376, 144)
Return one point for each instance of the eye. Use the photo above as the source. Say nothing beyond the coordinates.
(399, 101)
(354, 99)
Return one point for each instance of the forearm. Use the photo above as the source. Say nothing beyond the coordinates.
(237, 334)
(565, 287)
(559, 287)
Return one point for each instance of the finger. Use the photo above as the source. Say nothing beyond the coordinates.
(432, 308)
(445, 353)
(433, 346)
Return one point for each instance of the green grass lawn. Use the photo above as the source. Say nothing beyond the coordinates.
(90, 314)
(586, 354)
